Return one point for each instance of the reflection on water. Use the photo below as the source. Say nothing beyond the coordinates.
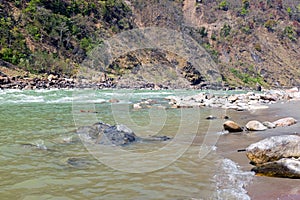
(43, 158)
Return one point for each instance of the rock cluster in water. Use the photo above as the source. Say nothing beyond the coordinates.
(277, 156)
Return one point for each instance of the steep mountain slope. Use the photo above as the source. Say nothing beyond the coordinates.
(252, 42)
(55, 36)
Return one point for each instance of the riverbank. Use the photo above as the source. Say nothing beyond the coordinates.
(23, 80)
(262, 187)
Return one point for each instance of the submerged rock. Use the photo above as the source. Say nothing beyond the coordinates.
(105, 134)
(210, 117)
(255, 126)
(232, 126)
(274, 148)
(285, 167)
(114, 101)
(77, 162)
(288, 121)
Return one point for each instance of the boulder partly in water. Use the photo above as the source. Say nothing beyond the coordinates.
(232, 126)
(277, 156)
(285, 167)
(118, 135)
(273, 149)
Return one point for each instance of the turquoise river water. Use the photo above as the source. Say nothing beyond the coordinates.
(42, 157)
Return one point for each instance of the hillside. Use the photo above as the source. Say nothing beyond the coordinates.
(44, 36)
(250, 41)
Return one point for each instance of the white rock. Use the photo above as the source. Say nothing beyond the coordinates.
(288, 121)
(137, 106)
(255, 126)
(274, 148)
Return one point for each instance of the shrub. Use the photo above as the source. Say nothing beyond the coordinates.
(246, 29)
(246, 4)
(203, 32)
(289, 11)
(270, 24)
(257, 47)
(290, 33)
(223, 5)
(247, 78)
(86, 44)
(225, 30)
(11, 56)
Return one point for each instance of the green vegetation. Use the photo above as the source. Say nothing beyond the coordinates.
(54, 36)
(247, 78)
(270, 25)
(246, 29)
(257, 47)
(214, 53)
(224, 5)
(225, 30)
(290, 33)
(245, 7)
(289, 11)
(203, 32)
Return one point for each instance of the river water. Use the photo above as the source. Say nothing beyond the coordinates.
(42, 157)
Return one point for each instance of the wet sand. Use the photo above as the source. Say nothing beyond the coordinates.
(263, 188)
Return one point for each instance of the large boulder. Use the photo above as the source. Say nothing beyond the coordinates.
(101, 133)
(285, 167)
(274, 148)
(288, 121)
(105, 134)
(268, 97)
(117, 135)
(232, 98)
(4, 80)
(255, 126)
(232, 126)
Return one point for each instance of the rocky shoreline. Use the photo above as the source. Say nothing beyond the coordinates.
(27, 81)
(239, 102)
(49, 82)
(274, 156)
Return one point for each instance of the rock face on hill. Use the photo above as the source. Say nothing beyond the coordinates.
(252, 41)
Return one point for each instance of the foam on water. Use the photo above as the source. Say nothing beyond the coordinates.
(231, 181)
(61, 100)
(22, 98)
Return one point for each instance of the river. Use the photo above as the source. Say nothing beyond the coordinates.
(42, 157)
